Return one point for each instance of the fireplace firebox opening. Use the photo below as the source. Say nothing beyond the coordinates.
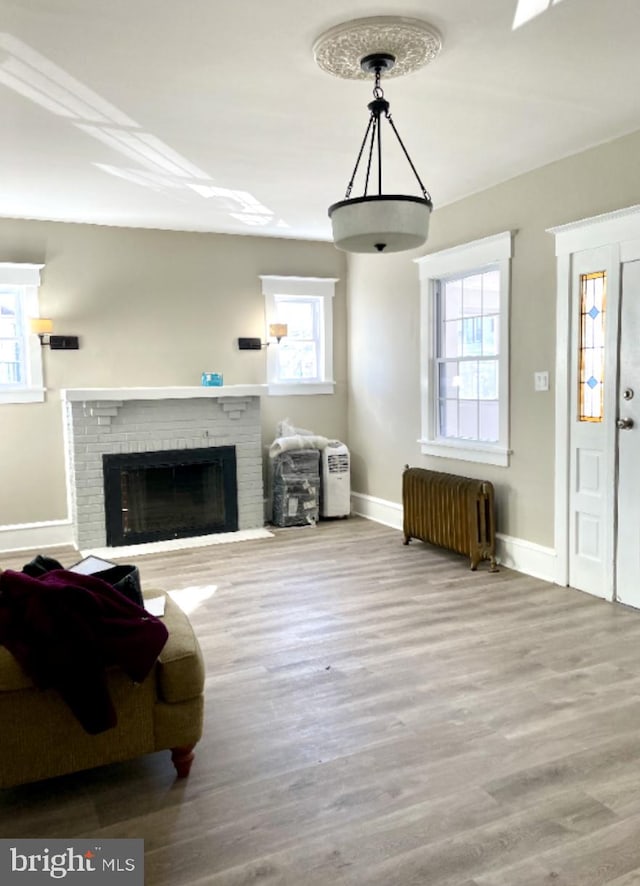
(179, 493)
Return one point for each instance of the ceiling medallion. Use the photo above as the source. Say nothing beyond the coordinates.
(412, 43)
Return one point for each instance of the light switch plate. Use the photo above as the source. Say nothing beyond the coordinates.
(541, 381)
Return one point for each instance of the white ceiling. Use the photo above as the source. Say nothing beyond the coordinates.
(225, 95)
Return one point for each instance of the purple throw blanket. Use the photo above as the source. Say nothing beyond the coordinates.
(66, 629)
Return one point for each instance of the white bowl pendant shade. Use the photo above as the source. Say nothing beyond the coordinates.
(383, 223)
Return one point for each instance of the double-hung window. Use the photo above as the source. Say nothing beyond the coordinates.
(302, 361)
(20, 351)
(465, 340)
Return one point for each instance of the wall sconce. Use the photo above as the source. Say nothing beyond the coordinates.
(276, 330)
(43, 327)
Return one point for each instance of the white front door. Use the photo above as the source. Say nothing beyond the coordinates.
(591, 422)
(597, 527)
(628, 512)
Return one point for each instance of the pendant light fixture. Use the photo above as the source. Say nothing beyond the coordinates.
(378, 222)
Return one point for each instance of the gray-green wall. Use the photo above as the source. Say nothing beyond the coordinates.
(151, 308)
(384, 321)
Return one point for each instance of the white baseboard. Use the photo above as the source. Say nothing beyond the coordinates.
(527, 556)
(515, 553)
(36, 536)
(377, 509)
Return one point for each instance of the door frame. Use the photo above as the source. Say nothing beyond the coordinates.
(620, 231)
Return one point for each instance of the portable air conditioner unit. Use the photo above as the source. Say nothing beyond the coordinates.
(336, 481)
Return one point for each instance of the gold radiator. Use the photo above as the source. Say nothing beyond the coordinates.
(451, 512)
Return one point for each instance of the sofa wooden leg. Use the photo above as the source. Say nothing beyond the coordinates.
(182, 759)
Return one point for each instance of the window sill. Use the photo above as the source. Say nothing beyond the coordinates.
(293, 389)
(22, 395)
(477, 452)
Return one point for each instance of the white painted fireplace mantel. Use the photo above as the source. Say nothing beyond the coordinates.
(86, 395)
(104, 421)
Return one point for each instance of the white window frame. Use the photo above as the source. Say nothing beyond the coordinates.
(477, 256)
(321, 288)
(26, 279)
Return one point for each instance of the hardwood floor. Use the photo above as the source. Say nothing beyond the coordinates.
(378, 714)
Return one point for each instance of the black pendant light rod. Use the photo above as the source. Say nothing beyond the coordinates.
(355, 168)
(374, 126)
(379, 133)
(376, 63)
(377, 107)
(425, 193)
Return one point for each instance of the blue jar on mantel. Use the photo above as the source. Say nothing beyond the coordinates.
(212, 379)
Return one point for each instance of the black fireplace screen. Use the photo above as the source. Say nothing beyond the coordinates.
(151, 496)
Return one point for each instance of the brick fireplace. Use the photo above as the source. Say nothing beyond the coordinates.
(109, 421)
